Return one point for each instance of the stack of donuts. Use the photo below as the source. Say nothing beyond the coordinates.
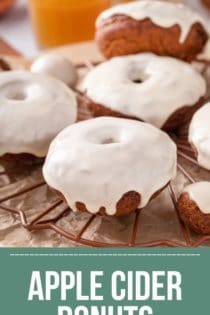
(147, 88)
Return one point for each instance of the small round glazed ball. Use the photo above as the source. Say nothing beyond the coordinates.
(194, 206)
(57, 66)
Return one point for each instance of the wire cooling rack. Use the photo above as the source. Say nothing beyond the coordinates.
(41, 221)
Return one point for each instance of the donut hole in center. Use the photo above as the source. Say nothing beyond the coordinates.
(136, 75)
(108, 141)
(137, 81)
(104, 137)
(17, 95)
(15, 90)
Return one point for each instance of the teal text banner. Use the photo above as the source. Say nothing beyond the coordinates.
(104, 281)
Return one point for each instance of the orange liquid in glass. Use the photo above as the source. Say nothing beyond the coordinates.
(58, 22)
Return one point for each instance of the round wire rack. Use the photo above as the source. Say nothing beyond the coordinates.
(48, 217)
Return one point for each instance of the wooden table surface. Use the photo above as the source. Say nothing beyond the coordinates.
(6, 49)
(77, 53)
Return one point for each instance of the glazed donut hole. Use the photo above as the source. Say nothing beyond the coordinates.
(57, 66)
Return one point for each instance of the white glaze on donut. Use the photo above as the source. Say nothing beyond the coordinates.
(33, 110)
(167, 85)
(97, 161)
(200, 193)
(57, 66)
(163, 14)
(199, 135)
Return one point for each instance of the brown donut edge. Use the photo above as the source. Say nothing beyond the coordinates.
(178, 118)
(192, 216)
(122, 35)
(126, 205)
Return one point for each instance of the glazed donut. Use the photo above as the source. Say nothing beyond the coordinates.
(199, 135)
(33, 110)
(160, 90)
(57, 66)
(163, 28)
(194, 207)
(104, 165)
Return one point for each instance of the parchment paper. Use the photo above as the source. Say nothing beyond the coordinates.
(158, 221)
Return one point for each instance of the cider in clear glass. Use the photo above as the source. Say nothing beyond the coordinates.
(59, 22)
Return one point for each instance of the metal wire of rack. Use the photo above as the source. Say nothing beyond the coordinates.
(40, 222)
